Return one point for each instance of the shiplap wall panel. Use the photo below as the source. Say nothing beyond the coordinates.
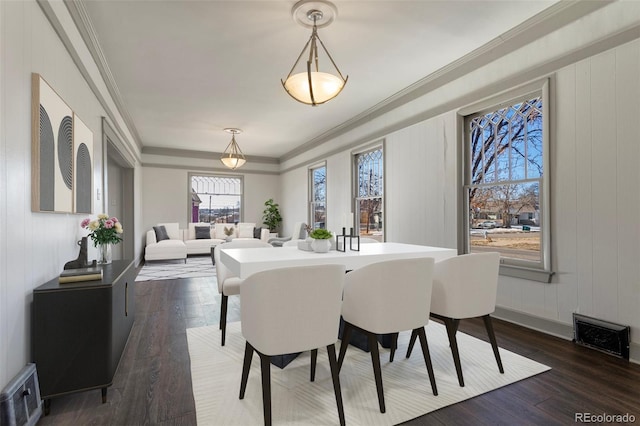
(584, 217)
(563, 197)
(628, 178)
(604, 184)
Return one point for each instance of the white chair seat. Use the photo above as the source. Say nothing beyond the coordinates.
(232, 286)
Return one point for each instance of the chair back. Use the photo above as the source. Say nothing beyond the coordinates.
(297, 232)
(389, 296)
(294, 309)
(222, 272)
(465, 286)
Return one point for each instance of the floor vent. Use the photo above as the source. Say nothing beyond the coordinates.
(601, 335)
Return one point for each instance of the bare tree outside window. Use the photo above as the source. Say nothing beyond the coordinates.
(505, 173)
(216, 199)
(318, 197)
(370, 192)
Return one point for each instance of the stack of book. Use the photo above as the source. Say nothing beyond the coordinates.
(80, 274)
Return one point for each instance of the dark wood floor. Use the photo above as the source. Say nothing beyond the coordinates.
(153, 382)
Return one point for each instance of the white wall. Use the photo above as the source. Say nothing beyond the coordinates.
(595, 181)
(33, 246)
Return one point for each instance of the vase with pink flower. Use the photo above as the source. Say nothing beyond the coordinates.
(105, 231)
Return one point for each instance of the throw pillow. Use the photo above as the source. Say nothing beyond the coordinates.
(245, 230)
(203, 232)
(161, 233)
(257, 232)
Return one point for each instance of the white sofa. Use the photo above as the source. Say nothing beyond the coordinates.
(183, 242)
(173, 248)
(241, 231)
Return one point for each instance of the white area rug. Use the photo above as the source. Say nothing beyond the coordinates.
(197, 266)
(216, 371)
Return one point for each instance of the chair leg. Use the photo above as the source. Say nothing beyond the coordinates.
(246, 365)
(427, 358)
(394, 345)
(265, 367)
(414, 335)
(377, 371)
(223, 317)
(488, 324)
(335, 375)
(346, 338)
(314, 360)
(452, 327)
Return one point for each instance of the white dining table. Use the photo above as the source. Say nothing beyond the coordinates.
(244, 262)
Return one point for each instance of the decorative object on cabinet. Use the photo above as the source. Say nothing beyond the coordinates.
(82, 260)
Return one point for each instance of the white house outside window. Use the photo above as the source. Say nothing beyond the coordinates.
(506, 192)
(215, 199)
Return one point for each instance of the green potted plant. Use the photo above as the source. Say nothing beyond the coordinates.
(321, 240)
(271, 215)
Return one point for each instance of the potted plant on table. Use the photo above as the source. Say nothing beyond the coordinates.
(321, 240)
(271, 215)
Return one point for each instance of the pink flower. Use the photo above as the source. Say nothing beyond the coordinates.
(85, 223)
(114, 219)
(109, 223)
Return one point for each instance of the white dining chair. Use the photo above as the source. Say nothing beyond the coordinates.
(229, 284)
(386, 298)
(465, 287)
(290, 310)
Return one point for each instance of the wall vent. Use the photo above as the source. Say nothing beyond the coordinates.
(601, 335)
(20, 403)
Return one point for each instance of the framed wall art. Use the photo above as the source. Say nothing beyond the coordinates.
(62, 154)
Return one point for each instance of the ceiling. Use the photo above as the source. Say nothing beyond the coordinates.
(185, 70)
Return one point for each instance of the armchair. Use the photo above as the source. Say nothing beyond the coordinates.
(297, 232)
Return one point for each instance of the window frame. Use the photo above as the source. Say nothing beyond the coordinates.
(377, 146)
(214, 175)
(311, 194)
(537, 271)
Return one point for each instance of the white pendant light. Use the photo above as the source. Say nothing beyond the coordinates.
(312, 86)
(233, 157)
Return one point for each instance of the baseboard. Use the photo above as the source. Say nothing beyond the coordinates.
(554, 328)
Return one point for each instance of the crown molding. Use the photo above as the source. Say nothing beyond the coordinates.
(80, 17)
(186, 153)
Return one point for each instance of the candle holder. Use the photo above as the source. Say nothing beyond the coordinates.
(341, 239)
(357, 240)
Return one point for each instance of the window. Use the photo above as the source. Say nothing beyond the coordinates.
(505, 181)
(318, 197)
(369, 184)
(216, 199)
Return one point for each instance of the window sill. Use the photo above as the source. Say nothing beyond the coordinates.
(526, 273)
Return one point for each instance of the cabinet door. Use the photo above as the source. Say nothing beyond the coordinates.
(123, 313)
(71, 339)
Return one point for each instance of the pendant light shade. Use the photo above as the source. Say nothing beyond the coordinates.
(312, 86)
(233, 157)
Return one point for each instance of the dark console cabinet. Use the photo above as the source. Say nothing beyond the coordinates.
(80, 330)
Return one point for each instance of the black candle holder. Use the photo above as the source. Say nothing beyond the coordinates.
(341, 238)
(351, 239)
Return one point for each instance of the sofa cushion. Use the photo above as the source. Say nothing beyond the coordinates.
(245, 230)
(173, 230)
(203, 232)
(257, 232)
(161, 233)
(219, 230)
